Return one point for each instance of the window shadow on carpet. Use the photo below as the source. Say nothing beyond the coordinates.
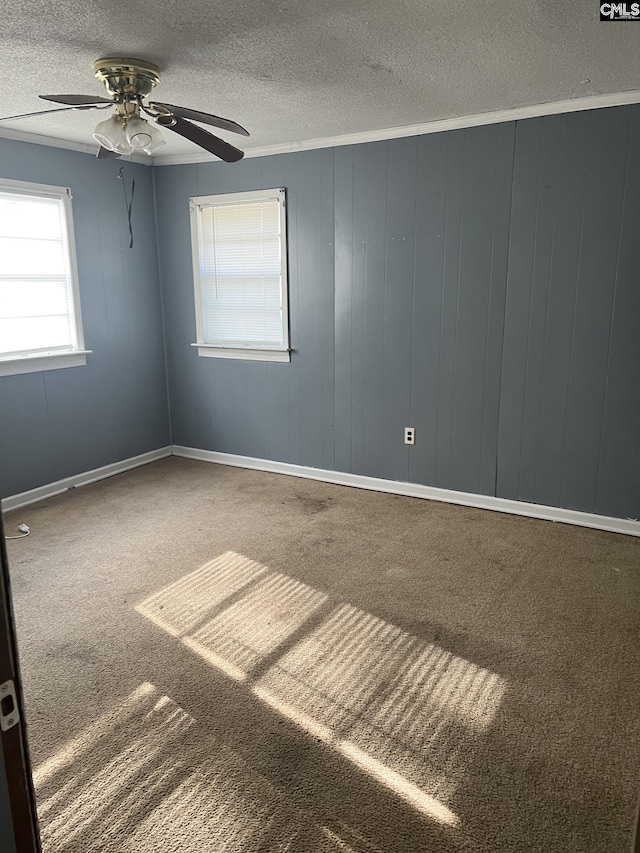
(408, 713)
(145, 777)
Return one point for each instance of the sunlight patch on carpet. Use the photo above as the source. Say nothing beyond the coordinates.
(180, 607)
(103, 727)
(146, 778)
(256, 625)
(95, 781)
(407, 712)
(233, 612)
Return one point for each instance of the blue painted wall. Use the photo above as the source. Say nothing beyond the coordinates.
(570, 385)
(250, 407)
(481, 285)
(57, 423)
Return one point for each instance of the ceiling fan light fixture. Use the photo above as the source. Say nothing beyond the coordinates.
(144, 135)
(157, 140)
(138, 133)
(111, 135)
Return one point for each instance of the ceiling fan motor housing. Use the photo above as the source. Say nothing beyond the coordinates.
(128, 82)
(127, 77)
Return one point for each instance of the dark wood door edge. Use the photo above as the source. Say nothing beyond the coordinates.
(14, 741)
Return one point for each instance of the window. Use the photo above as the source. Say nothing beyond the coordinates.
(40, 326)
(240, 275)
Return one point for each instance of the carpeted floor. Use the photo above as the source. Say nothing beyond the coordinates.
(226, 660)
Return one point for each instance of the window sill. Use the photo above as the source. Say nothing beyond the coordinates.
(36, 363)
(246, 354)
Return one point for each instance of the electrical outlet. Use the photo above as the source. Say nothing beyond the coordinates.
(409, 435)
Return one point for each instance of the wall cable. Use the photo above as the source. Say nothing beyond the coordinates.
(128, 202)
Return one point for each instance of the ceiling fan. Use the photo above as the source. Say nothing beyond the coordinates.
(129, 82)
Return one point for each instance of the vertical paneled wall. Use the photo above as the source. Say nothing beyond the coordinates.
(421, 247)
(570, 400)
(481, 285)
(57, 423)
(268, 410)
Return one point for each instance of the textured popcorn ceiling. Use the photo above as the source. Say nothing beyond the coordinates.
(293, 70)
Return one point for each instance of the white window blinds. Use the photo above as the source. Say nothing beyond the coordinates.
(241, 270)
(36, 289)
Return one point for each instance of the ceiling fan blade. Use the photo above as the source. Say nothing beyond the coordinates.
(205, 118)
(105, 154)
(202, 137)
(44, 112)
(76, 100)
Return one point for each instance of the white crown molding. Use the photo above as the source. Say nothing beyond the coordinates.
(68, 144)
(60, 486)
(628, 526)
(591, 102)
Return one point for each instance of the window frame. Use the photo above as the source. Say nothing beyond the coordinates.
(248, 352)
(31, 361)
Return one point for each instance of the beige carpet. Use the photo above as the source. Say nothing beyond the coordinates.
(226, 660)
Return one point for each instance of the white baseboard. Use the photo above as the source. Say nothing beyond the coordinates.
(628, 526)
(51, 489)
(631, 527)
